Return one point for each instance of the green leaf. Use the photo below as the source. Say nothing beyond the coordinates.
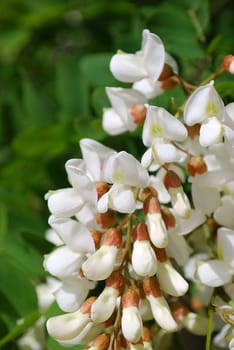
(16, 287)
(95, 69)
(100, 100)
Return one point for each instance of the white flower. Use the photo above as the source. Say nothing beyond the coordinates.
(118, 119)
(146, 63)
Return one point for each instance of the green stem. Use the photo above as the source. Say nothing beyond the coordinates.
(214, 75)
(129, 235)
(19, 329)
(210, 323)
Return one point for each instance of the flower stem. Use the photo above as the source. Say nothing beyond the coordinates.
(210, 323)
(19, 329)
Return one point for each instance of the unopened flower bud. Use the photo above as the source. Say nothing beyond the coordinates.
(168, 218)
(159, 305)
(228, 63)
(99, 265)
(101, 342)
(104, 306)
(131, 322)
(166, 78)
(155, 224)
(138, 113)
(170, 280)
(96, 235)
(179, 199)
(196, 166)
(144, 261)
(106, 219)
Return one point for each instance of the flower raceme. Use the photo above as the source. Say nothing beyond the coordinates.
(130, 229)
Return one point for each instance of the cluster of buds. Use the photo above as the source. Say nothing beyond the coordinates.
(130, 231)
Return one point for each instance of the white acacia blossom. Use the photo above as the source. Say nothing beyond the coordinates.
(136, 233)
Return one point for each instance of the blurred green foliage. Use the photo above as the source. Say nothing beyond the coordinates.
(54, 66)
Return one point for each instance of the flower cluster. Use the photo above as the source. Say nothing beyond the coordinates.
(136, 233)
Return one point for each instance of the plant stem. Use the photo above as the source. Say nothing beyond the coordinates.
(210, 323)
(19, 329)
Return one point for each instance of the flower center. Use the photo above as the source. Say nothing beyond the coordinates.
(212, 108)
(156, 130)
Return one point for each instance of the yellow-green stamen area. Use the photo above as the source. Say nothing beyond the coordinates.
(212, 108)
(156, 130)
(119, 177)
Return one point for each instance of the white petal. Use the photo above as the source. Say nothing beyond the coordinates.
(205, 199)
(185, 226)
(162, 313)
(180, 202)
(63, 262)
(123, 168)
(195, 323)
(170, 280)
(112, 122)
(214, 273)
(67, 326)
(127, 67)
(211, 132)
(104, 305)
(178, 248)
(144, 261)
(104, 258)
(225, 245)
(74, 234)
(121, 198)
(157, 230)
(203, 103)
(131, 324)
(65, 202)
(224, 213)
(94, 154)
(72, 293)
(153, 54)
(149, 88)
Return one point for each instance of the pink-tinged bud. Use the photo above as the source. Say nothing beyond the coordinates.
(101, 342)
(161, 254)
(101, 188)
(106, 219)
(196, 166)
(148, 192)
(131, 322)
(87, 304)
(179, 310)
(156, 227)
(228, 63)
(179, 199)
(159, 305)
(144, 261)
(138, 113)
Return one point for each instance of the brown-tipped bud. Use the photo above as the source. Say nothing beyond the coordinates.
(161, 254)
(101, 342)
(138, 113)
(166, 72)
(178, 310)
(131, 297)
(194, 130)
(101, 188)
(86, 305)
(148, 192)
(140, 232)
(106, 219)
(171, 180)
(196, 304)
(168, 217)
(151, 206)
(228, 63)
(96, 237)
(151, 287)
(147, 335)
(169, 83)
(112, 237)
(196, 166)
(115, 280)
